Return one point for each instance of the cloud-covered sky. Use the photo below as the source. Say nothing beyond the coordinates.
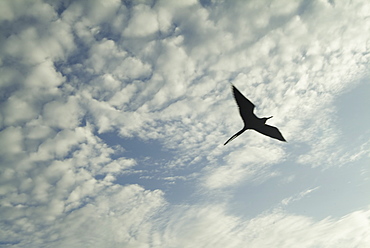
(113, 116)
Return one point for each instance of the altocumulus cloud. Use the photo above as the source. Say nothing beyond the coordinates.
(160, 70)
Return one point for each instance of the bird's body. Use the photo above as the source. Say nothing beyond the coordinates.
(251, 121)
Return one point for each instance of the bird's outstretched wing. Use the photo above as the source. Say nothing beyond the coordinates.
(243, 103)
(246, 107)
(270, 131)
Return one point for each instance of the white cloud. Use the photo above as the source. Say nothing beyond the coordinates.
(118, 166)
(63, 115)
(123, 97)
(105, 57)
(61, 192)
(16, 9)
(60, 145)
(212, 226)
(101, 11)
(93, 12)
(244, 165)
(302, 194)
(11, 142)
(142, 23)
(37, 44)
(111, 219)
(282, 230)
(16, 110)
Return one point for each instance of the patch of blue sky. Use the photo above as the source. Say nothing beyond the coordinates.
(137, 148)
(353, 116)
(283, 192)
(152, 170)
(335, 184)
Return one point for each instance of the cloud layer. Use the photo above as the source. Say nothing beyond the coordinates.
(160, 71)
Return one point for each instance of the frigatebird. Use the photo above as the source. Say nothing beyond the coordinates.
(251, 121)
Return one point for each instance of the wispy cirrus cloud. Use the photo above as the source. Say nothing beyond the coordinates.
(212, 226)
(299, 196)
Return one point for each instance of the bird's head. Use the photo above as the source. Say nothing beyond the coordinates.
(266, 118)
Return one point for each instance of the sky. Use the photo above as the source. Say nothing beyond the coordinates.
(113, 116)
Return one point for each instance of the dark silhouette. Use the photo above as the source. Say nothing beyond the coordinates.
(251, 121)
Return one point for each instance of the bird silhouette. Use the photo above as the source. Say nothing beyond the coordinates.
(251, 121)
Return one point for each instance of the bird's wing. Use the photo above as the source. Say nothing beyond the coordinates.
(270, 131)
(243, 103)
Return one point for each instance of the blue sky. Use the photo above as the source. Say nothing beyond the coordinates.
(113, 116)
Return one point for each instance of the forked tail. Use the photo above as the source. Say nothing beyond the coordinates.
(235, 135)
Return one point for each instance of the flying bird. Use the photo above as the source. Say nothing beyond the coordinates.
(251, 121)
